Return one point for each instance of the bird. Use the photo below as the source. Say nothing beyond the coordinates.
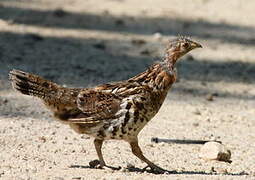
(115, 110)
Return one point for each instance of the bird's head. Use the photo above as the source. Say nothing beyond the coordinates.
(179, 47)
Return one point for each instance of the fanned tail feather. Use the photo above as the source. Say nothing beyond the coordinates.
(32, 85)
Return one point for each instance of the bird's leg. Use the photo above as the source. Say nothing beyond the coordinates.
(136, 150)
(98, 145)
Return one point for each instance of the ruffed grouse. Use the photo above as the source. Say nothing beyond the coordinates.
(110, 111)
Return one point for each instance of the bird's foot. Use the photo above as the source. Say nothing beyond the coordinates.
(101, 165)
(95, 164)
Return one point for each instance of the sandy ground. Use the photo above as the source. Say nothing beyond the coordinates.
(80, 43)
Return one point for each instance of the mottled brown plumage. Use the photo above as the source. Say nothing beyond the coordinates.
(110, 111)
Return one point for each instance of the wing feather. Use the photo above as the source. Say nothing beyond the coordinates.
(97, 105)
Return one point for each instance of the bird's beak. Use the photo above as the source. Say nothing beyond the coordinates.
(195, 45)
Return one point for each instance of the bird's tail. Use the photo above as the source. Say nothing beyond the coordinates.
(33, 85)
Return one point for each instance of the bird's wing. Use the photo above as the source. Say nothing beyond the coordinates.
(97, 105)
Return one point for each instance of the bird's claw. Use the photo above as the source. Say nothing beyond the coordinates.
(97, 165)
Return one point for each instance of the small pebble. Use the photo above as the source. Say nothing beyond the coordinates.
(138, 41)
(43, 139)
(157, 36)
(83, 150)
(85, 137)
(215, 151)
(209, 97)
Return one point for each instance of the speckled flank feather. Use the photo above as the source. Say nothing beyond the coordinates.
(110, 111)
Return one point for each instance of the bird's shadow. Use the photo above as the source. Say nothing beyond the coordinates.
(144, 170)
(90, 167)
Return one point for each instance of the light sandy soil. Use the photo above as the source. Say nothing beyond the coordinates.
(82, 43)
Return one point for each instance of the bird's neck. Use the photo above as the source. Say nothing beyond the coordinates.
(160, 76)
(169, 61)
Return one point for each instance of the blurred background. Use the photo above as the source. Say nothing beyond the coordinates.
(82, 43)
(85, 42)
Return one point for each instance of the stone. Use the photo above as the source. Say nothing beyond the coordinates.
(209, 97)
(215, 151)
(157, 36)
(138, 42)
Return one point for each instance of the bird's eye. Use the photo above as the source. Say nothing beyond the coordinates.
(185, 45)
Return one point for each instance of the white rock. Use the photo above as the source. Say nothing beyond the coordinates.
(157, 36)
(215, 151)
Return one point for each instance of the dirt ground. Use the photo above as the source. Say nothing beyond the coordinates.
(81, 43)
